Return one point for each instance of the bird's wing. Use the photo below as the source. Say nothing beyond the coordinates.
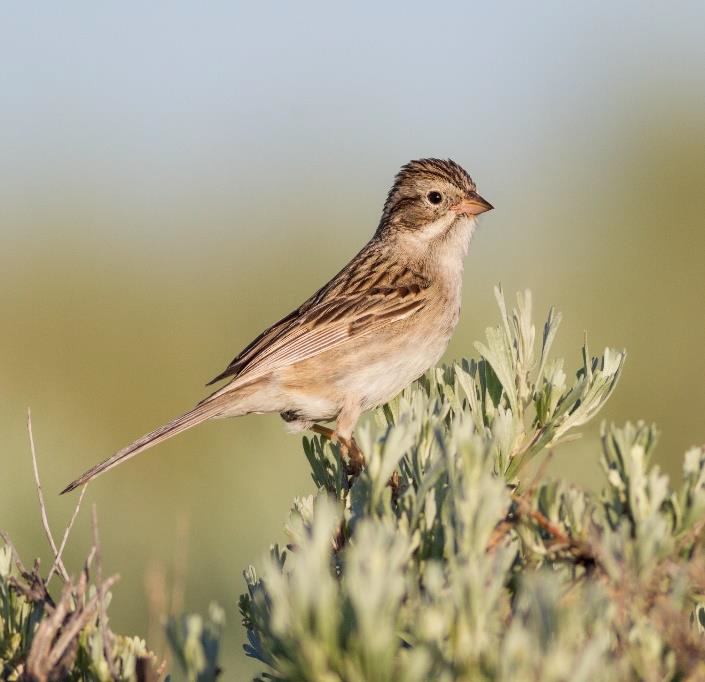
(321, 324)
(268, 336)
(326, 325)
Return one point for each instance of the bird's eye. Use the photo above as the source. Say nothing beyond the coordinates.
(434, 197)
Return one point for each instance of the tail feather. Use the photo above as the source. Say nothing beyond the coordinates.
(198, 414)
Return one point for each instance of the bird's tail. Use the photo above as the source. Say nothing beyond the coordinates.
(198, 414)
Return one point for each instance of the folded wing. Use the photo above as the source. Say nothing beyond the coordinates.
(325, 325)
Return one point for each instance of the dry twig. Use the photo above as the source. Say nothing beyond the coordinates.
(498, 534)
(580, 549)
(105, 634)
(66, 534)
(42, 507)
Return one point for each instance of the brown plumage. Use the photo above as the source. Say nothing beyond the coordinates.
(376, 326)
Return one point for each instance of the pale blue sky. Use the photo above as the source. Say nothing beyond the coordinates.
(180, 92)
(174, 176)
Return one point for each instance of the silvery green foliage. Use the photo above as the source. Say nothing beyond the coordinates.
(46, 639)
(195, 643)
(439, 562)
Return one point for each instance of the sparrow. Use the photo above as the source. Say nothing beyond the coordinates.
(378, 325)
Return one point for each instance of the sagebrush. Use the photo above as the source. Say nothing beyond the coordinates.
(447, 557)
(440, 562)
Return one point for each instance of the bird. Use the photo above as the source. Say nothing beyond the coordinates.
(375, 327)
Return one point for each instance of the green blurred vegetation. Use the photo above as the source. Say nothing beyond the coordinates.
(130, 275)
(440, 559)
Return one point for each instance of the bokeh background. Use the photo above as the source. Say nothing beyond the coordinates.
(175, 176)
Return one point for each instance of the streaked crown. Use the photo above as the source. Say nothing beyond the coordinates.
(424, 190)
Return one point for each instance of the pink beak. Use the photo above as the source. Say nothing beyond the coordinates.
(473, 204)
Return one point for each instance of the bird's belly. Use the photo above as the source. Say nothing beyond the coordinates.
(378, 382)
(369, 372)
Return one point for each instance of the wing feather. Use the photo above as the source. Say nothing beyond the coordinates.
(368, 294)
(315, 334)
(324, 326)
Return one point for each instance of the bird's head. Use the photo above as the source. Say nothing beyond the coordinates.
(429, 198)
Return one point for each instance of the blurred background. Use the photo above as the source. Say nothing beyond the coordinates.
(176, 176)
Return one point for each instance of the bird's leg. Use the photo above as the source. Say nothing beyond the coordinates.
(355, 458)
(323, 431)
(343, 428)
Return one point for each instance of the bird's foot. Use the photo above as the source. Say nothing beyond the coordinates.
(355, 459)
(394, 483)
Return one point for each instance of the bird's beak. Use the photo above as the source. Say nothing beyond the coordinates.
(473, 204)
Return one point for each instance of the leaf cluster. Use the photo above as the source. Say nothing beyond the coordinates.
(442, 560)
(68, 638)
